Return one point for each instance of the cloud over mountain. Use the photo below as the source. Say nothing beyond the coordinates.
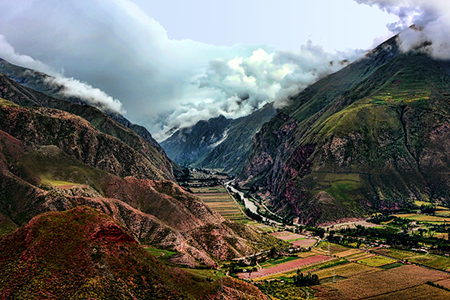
(431, 18)
(125, 54)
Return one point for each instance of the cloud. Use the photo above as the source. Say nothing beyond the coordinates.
(68, 87)
(72, 87)
(8, 53)
(431, 20)
(236, 87)
(162, 83)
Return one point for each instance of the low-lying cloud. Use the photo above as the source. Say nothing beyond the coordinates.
(431, 20)
(68, 87)
(237, 87)
(127, 57)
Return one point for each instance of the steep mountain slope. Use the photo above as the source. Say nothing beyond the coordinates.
(108, 127)
(84, 254)
(218, 143)
(371, 136)
(29, 81)
(53, 160)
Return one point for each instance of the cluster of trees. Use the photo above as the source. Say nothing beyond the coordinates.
(305, 280)
(428, 209)
(390, 236)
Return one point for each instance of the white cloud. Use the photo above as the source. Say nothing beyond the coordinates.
(432, 24)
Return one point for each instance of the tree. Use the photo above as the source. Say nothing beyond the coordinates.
(272, 252)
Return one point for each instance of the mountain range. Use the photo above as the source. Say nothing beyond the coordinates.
(82, 188)
(217, 143)
(370, 137)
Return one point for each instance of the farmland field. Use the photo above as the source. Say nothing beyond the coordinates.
(376, 261)
(397, 253)
(295, 239)
(423, 218)
(345, 270)
(220, 201)
(349, 252)
(285, 267)
(423, 291)
(433, 261)
(383, 282)
(334, 248)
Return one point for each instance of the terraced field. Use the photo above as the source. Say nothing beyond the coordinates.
(220, 201)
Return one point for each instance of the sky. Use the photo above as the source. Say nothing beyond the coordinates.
(171, 63)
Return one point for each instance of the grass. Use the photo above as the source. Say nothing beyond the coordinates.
(293, 240)
(160, 252)
(45, 180)
(333, 247)
(397, 253)
(433, 261)
(277, 261)
(205, 273)
(7, 103)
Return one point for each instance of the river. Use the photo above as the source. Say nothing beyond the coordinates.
(249, 204)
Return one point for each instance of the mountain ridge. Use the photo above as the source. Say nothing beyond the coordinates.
(217, 143)
(353, 143)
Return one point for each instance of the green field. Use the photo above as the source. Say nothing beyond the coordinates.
(376, 261)
(334, 248)
(277, 261)
(397, 253)
(159, 252)
(433, 261)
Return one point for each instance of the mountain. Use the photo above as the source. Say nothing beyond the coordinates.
(54, 160)
(217, 143)
(373, 136)
(85, 254)
(38, 81)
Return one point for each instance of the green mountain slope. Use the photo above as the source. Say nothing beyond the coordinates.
(370, 137)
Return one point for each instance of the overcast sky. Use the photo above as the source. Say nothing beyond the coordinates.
(171, 63)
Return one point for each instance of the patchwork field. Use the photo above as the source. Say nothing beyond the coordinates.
(423, 291)
(429, 260)
(345, 270)
(383, 283)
